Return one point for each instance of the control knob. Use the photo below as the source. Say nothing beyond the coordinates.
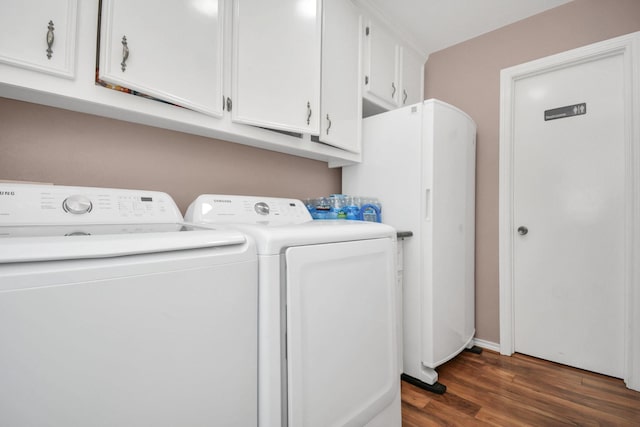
(77, 205)
(261, 208)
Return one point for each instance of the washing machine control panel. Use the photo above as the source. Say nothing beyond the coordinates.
(50, 204)
(226, 209)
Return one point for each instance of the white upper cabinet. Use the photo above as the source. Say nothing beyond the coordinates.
(341, 106)
(276, 64)
(412, 81)
(39, 35)
(381, 82)
(170, 50)
(393, 71)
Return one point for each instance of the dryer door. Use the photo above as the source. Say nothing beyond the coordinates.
(341, 322)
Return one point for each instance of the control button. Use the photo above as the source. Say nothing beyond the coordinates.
(77, 205)
(261, 208)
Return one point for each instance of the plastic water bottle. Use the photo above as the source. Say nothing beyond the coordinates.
(352, 208)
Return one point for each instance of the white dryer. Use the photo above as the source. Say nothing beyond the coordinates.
(328, 352)
(113, 312)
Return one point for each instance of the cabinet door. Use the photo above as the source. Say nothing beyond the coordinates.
(341, 105)
(381, 78)
(39, 35)
(170, 50)
(276, 64)
(412, 77)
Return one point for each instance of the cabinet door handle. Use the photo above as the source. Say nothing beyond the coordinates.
(125, 53)
(393, 92)
(308, 113)
(50, 39)
(226, 103)
(328, 127)
(404, 96)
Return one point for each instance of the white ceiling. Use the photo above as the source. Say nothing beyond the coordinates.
(433, 25)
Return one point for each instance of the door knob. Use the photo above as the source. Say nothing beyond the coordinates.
(522, 230)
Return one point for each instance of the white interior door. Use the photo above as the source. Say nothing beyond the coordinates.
(568, 192)
(341, 332)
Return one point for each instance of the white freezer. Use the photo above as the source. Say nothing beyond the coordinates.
(420, 162)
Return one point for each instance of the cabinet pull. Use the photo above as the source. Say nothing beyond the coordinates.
(328, 127)
(393, 92)
(308, 113)
(50, 39)
(226, 103)
(125, 53)
(404, 96)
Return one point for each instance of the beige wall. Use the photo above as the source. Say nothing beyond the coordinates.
(45, 144)
(468, 75)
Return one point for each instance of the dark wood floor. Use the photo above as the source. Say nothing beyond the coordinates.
(490, 389)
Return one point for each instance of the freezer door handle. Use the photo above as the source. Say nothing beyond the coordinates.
(427, 204)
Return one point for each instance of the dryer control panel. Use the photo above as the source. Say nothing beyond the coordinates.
(227, 209)
(28, 204)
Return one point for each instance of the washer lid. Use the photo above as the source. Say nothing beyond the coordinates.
(46, 243)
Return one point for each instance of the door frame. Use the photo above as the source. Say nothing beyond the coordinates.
(629, 47)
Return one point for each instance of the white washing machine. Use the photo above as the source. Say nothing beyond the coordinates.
(113, 312)
(328, 351)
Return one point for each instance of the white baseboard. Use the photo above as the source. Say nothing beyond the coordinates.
(487, 344)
